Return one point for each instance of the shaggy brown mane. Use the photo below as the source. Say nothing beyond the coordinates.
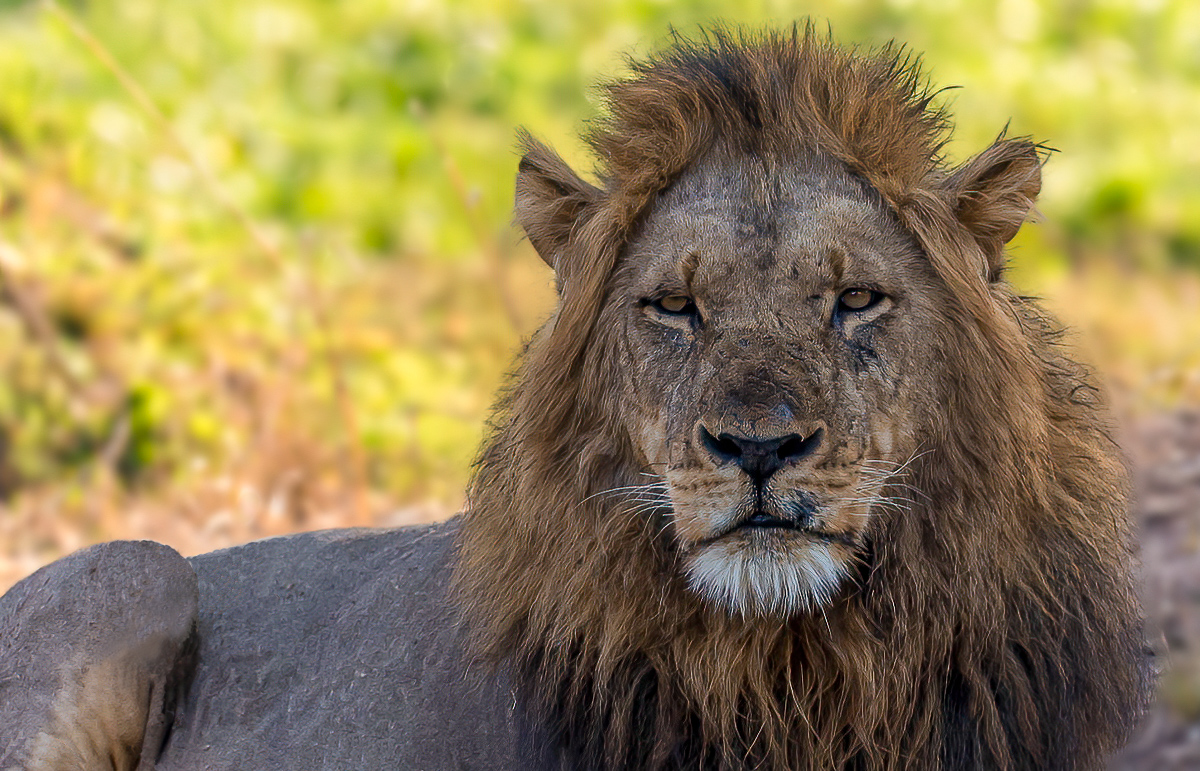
(990, 626)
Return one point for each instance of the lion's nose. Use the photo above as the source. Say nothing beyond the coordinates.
(760, 458)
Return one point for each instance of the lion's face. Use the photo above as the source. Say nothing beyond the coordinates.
(774, 318)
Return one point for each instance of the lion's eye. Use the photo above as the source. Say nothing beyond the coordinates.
(858, 299)
(675, 304)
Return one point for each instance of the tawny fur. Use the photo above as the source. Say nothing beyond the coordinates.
(98, 718)
(992, 625)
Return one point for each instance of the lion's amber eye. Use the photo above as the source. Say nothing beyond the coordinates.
(675, 303)
(858, 299)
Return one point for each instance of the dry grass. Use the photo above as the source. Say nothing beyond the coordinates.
(1140, 330)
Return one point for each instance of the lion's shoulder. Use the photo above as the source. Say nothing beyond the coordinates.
(338, 649)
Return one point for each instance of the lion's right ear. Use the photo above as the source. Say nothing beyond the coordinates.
(551, 202)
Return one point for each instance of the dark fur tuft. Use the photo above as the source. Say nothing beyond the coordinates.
(774, 94)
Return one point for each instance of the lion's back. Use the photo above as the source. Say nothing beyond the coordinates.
(337, 650)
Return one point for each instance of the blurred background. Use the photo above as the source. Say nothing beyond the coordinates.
(257, 271)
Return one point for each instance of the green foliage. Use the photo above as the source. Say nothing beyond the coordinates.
(144, 326)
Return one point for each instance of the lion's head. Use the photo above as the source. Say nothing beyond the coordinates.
(792, 478)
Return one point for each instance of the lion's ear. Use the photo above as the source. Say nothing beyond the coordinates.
(993, 194)
(551, 201)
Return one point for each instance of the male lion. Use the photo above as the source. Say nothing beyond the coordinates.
(791, 479)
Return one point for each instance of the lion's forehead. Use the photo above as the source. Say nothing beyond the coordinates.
(733, 247)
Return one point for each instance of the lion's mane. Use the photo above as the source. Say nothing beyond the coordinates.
(991, 625)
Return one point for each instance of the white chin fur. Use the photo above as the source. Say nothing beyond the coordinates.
(778, 579)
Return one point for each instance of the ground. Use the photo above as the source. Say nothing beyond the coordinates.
(1166, 454)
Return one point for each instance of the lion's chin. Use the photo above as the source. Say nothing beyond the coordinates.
(767, 572)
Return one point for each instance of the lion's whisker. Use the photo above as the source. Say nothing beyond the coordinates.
(625, 489)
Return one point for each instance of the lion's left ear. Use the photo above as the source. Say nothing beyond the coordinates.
(994, 192)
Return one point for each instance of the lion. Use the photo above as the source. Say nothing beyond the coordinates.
(791, 479)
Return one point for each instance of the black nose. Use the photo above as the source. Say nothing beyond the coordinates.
(760, 458)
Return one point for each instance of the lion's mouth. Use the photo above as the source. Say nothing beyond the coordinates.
(796, 512)
(774, 520)
(762, 522)
(762, 519)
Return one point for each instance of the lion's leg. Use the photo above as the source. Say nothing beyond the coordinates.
(94, 650)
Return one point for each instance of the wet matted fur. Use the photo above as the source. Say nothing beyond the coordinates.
(966, 604)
